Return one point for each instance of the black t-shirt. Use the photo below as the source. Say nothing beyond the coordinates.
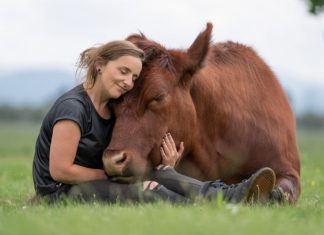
(96, 132)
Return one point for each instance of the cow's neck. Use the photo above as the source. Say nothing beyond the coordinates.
(207, 97)
(206, 94)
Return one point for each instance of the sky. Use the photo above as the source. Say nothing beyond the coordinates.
(51, 34)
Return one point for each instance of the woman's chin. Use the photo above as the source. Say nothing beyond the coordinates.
(116, 95)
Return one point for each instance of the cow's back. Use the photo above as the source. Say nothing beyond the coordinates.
(244, 113)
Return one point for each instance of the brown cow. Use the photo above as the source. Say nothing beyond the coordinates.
(222, 100)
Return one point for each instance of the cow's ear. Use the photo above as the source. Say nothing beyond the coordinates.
(199, 48)
(135, 38)
(193, 59)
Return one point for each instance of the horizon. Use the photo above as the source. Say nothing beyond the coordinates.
(42, 87)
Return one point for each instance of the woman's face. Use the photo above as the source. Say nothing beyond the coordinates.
(118, 76)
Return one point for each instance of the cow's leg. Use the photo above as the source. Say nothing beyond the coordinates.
(287, 189)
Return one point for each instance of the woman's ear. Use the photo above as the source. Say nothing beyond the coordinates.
(99, 64)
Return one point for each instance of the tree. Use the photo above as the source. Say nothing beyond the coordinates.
(316, 6)
(310, 120)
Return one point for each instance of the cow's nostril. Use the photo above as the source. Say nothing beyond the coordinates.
(122, 159)
(116, 163)
(119, 158)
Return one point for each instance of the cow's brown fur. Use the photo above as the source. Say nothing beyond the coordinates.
(222, 100)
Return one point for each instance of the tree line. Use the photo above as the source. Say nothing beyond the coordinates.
(307, 120)
(24, 114)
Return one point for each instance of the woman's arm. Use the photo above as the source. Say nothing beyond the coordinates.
(65, 140)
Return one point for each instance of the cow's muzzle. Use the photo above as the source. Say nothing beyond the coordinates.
(115, 162)
(125, 166)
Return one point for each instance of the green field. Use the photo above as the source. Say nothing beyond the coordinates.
(16, 217)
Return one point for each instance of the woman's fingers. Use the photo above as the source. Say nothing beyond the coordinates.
(171, 142)
(180, 152)
(170, 154)
(166, 147)
(162, 152)
(181, 149)
(166, 158)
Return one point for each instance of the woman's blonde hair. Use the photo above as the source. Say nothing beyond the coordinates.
(105, 53)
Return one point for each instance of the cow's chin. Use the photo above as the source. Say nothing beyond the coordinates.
(125, 179)
(155, 157)
(130, 179)
(137, 172)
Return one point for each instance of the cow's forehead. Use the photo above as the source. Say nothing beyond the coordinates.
(154, 82)
(158, 74)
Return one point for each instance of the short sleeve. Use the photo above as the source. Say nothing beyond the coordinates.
(70, 109)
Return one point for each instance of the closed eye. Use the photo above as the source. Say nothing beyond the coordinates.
(124, 70)
(157, 102)
(159, 98)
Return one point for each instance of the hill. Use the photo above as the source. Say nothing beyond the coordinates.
(32, 87)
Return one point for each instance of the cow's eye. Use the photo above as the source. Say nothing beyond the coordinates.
(159, 98)
(156, 102)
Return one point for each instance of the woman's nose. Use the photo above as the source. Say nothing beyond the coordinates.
(129, 83)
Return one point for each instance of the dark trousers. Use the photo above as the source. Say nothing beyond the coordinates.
(111, 192)
(172, 187)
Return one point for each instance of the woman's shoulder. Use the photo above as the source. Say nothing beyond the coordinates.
(75, 97)
(73, 101)
(76, 92)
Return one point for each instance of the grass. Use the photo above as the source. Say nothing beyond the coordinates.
(16, 217)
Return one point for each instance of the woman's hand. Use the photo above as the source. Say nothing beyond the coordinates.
(170, 155)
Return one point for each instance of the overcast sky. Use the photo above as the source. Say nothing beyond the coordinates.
(52, 33)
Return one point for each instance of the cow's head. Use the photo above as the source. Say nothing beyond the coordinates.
(160, 102)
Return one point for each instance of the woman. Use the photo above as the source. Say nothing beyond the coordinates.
(78, 127)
